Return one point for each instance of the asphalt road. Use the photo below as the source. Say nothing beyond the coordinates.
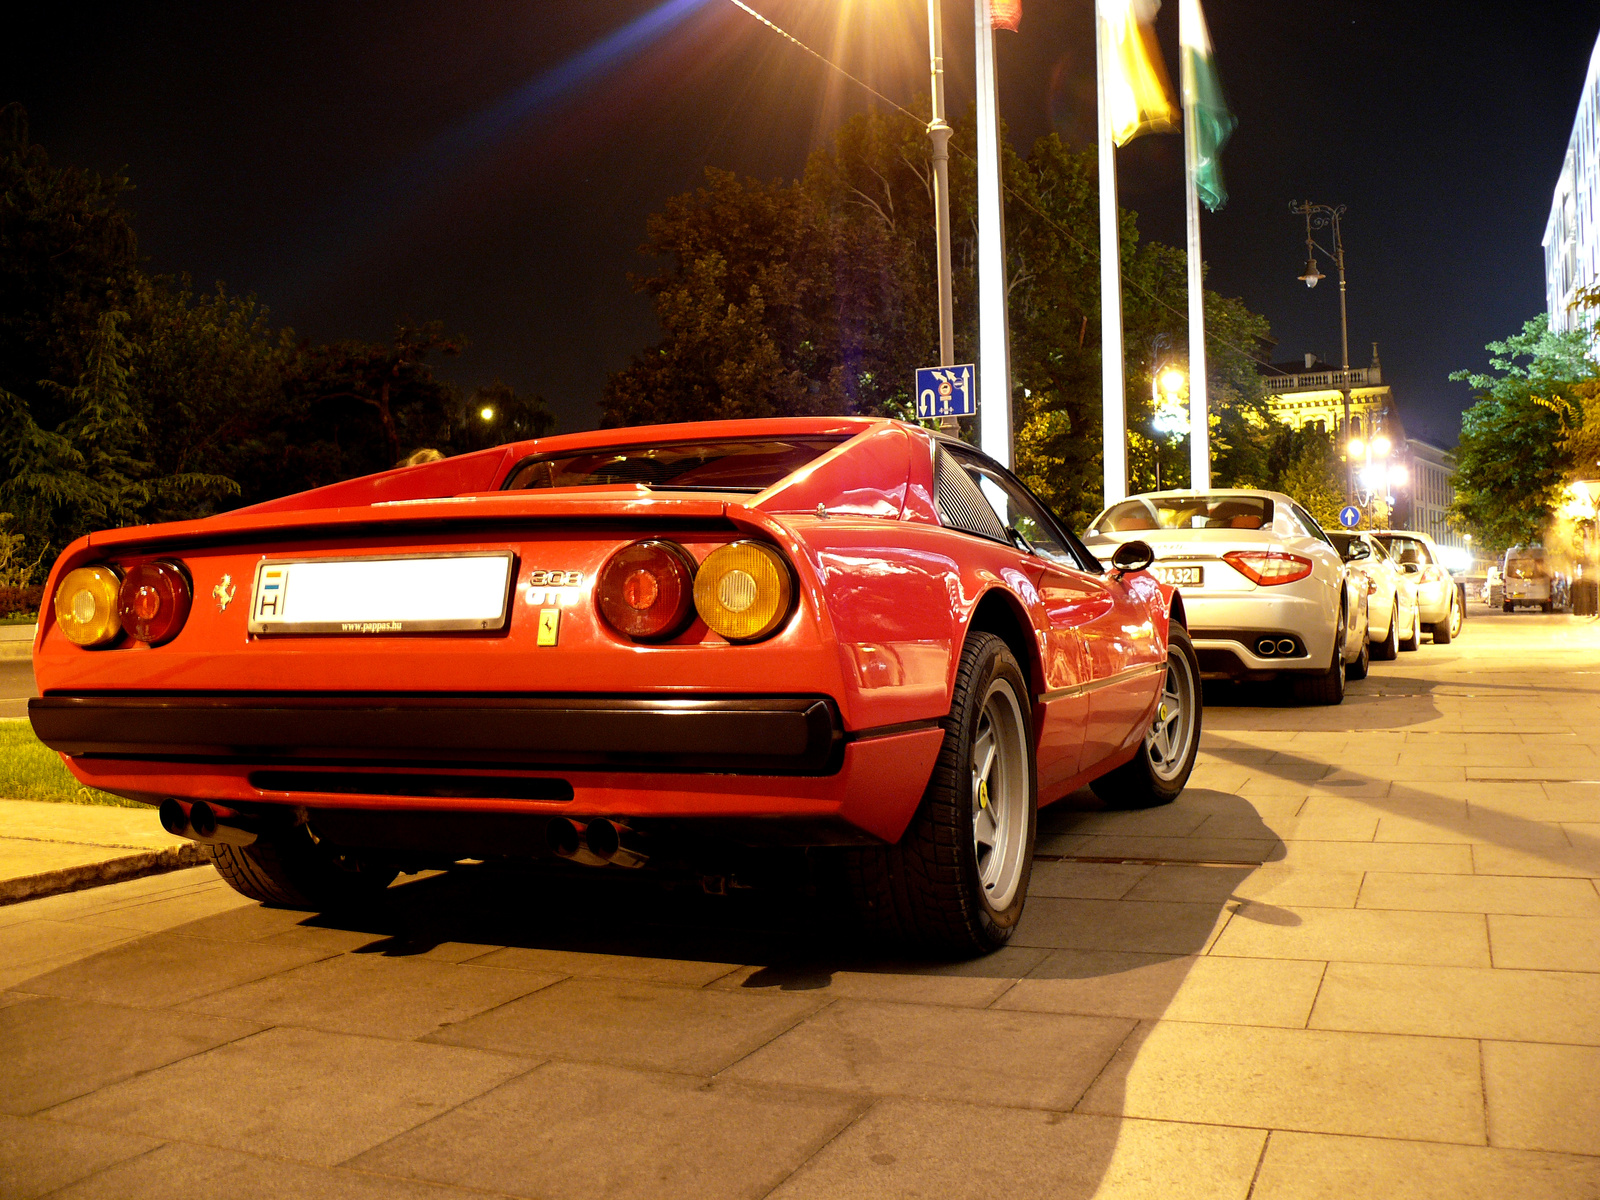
(1359, 956)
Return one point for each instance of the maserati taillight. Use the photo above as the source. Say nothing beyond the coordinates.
(1268, 567)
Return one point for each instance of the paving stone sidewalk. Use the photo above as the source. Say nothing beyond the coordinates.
(1359, 957)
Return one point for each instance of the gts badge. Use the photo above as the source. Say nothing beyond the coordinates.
(553, 587)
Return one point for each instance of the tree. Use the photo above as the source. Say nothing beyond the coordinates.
(819, 296)
(1515, 452)
(1312, 474)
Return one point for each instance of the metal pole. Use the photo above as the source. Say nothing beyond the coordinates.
(939, 137)
(994, 341)
(1113, 409)
(1344, 342)
(1199, 420)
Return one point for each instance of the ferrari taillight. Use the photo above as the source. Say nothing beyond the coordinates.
(86, 606)
(743, 591)
(646, 590)
(1268, 567)
(153, 602)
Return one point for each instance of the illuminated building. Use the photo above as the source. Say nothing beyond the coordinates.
(1572, 234)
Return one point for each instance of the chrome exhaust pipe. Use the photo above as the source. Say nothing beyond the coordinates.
(566, 840)
(614, 842)
(201, 821)
(1266, 647)
(1286, 647)
(213, 823)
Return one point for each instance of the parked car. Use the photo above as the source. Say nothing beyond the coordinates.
(1528, 579)
(1392, 621)
(652, 647)
(1266, 592)
(1439, 601)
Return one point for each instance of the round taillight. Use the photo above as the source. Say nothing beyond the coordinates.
(153, 602)
(743, 591)
(646, 590)
(86, 606)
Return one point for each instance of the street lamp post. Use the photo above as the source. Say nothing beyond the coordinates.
(1322, 216)
(939, 136)
(1377, 477)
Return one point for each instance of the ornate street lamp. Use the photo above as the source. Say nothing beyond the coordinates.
(1324, 216)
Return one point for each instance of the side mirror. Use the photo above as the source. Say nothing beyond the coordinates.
(1132, 556)
(1356, 550)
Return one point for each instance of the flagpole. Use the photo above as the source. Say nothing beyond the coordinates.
(994, 341)
(1199, 417)
(1114, 417)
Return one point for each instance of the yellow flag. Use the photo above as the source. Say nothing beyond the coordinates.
(1138, 95)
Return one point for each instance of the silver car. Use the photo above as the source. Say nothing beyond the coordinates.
(1266, 592)
(1392, 621)
(1438, 599)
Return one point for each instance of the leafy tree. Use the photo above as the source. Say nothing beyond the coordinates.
(1515, 451)
(1311, 473)
(512, 418)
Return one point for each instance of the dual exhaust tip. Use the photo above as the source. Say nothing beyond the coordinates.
(202, 821)
(1280, 647)
(599, 843)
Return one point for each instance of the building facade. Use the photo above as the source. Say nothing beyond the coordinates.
(1572, 234)
(1308, 394)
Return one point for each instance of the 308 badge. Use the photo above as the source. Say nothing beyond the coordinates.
(553, 587)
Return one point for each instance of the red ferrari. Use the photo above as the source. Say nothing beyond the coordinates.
(630, 647)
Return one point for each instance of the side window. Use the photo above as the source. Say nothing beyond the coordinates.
(961, 505)
(1019, 511)
(1310, 523)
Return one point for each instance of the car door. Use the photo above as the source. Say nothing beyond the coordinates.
(1110, 627)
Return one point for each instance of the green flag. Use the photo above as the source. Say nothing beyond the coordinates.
(1203, 104)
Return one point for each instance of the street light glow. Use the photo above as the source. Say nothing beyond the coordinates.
(486, 413)
(1380, 447)
(1397, 476)
(1172, 381)
(1357, 447)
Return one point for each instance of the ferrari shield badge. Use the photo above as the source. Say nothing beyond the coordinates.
(223, 593)
(549, 626)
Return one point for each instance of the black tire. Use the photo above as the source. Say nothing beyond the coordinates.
(1547, 606)
(1158, 774)
(1325, 687)
(1507, 606)
(293, 871)
(1363, 662)
(1441, 629)
(1414, 639)
(927, 891)
(1389, 649)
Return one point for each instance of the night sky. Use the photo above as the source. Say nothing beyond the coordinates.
(492, 164)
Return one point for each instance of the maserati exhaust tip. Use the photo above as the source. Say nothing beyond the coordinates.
(1266, 647)
(1286, 646)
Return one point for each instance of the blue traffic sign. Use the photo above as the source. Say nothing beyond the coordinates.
(946, 392)
(1349, 516)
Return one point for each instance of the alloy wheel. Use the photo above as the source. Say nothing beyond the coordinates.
(999, 794)
(1167, 743)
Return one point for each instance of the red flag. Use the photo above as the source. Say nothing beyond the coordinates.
(1005, 14)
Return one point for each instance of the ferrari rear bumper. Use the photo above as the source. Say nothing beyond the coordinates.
(789, 735)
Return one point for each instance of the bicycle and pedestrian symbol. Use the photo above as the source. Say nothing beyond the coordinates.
(946, 392)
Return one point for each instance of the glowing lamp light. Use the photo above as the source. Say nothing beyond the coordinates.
(1380, 447)
(1005, 14)
(1312, 275)
(1172, 381)
(1357, 447)
(1398, 476)
(486, 413)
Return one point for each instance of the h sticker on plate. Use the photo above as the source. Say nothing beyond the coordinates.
(549, 626)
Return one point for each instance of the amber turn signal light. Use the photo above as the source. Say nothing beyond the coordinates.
(86, 606)
(646, 590)
(743, 591)
(153, 602)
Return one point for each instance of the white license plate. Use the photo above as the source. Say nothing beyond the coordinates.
(408, 594)
(1180, 576)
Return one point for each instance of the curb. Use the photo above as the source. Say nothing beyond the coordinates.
(115, 870)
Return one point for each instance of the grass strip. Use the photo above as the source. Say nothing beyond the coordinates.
(30, 770)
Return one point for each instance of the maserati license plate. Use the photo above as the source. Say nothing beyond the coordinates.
(1180, 576)
(405, 594)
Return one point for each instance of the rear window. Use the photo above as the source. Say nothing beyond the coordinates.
(730, 466)
(1398, 545)
(1186, 512)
